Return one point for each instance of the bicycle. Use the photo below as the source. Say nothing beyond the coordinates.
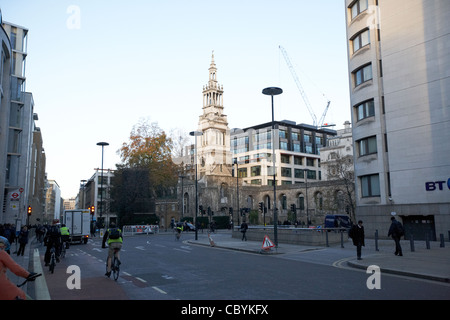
(52, 264)
(115, 265)
(63, 250)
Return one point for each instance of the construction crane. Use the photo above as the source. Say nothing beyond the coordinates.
(302, 92)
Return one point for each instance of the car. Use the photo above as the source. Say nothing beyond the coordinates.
(337, 221)
(189, 227)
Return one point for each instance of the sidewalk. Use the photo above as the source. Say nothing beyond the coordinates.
(431, 264)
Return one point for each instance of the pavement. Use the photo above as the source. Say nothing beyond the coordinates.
(417, 261)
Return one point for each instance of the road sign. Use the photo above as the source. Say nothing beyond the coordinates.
(267, 243)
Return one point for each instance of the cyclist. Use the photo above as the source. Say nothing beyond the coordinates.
(52, 239)
(179, 230)
(114, 237)
(8, 290)
(65, 235)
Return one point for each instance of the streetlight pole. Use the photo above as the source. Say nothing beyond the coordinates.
(103, 144)
(273, 91)
(195, 134)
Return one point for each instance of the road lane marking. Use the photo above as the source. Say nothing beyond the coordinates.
(159, 290)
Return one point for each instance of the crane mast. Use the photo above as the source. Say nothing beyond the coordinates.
(302, 92)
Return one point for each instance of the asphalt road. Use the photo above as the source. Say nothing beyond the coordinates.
(157, 267)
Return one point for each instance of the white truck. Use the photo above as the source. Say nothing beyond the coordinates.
(79, 223)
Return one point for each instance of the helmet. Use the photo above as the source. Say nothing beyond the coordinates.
(5, 242)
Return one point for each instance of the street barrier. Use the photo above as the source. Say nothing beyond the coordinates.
(139, 229)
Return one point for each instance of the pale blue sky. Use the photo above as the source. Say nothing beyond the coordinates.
(93, 75)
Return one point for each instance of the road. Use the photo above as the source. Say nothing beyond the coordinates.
(157, 267)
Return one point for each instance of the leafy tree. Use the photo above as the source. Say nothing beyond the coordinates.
(146, 172)
(149, 147)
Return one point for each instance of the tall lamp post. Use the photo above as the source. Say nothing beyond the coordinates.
(196, 134)
(273, 91)
(103, 144)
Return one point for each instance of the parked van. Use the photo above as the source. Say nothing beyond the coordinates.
(337, 221)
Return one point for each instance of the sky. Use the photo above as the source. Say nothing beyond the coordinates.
(97, 68)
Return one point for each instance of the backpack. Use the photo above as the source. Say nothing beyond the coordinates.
(114, 233)
(400, 230)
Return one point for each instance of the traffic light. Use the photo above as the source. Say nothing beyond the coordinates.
(261, 206)
(92, 210)
(293, 208)
(29, 210)
(230, 210)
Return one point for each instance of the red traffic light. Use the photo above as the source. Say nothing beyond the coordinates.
(92, 209)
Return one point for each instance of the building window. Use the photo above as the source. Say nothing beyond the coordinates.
(365, 110)
(255, 171)
(286, 172)
(362, 74)
(367, 146)
(358, 7)
(311, 174)
(360, 40)
(370, 185)
(285, 158)
(242, 172)
(298, 173)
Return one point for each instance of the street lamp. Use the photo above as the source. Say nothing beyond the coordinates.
(196, 134)
(273, 91)
(103, 144)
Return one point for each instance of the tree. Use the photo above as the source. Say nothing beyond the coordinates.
(146, 172)
(341, 168)
(149, 147)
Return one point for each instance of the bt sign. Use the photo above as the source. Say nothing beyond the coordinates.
(437, 185)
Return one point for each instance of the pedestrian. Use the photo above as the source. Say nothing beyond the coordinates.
(244, 228)
(23, 240)
(356, 232)
(396, 232)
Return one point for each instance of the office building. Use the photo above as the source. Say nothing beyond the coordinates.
(399, 80)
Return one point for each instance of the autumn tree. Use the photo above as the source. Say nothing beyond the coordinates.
(149, 147)
(146, 172)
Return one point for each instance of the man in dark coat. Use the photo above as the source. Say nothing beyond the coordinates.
(357, 234)
(396, 232)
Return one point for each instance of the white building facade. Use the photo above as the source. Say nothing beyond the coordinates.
(399, 72)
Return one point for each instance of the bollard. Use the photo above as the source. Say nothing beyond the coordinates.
(326, 236)
(376, 240)
(411, 241)
(442, 240)
(428, 240)
(342, 238)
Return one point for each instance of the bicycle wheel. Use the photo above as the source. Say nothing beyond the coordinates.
(52, 263)
(63, 251)
(115, 268)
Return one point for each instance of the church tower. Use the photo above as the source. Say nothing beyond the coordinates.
(214, 145)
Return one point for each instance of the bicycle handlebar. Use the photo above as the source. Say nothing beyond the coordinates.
(31, 277)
